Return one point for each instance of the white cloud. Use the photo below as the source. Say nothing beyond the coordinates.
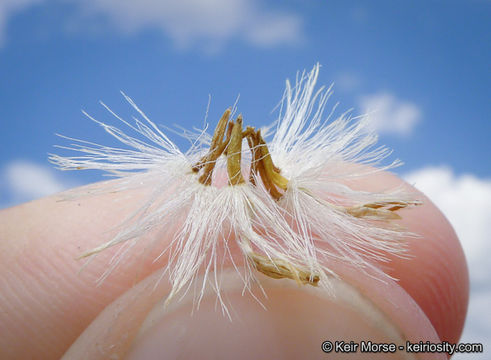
(195, 21)
(8, 8)
(466, 202)
(274, 29)
(191, 21)
(389, 114)
(206, 24)
(23, 181)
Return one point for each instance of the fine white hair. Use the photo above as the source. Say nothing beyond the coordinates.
(318, 218)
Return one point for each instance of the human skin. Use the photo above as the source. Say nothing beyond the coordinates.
(48, 306)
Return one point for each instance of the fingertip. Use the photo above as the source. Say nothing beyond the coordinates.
(436, 275)
(294, 323)
(435, 272)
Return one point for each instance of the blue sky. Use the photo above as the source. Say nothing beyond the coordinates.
(421, 68)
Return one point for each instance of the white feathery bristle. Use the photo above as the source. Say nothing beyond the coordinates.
(317, 219)
(318, 157)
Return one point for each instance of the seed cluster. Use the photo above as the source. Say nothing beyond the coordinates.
(285, 226)
(227, 140)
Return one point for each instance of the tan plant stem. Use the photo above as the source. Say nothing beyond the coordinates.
(272, 171)
(234, 154)
(217, 147)
(253, 170)
(381, 210)
(263, 165)
(281, 269)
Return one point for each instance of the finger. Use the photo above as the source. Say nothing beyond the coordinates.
(295, 323)
(46, 301)
(435, 274)
(39, 258)
(415, 306)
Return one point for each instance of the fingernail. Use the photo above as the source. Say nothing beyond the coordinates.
(294, 324)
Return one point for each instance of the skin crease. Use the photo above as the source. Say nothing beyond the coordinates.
(40, 283)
